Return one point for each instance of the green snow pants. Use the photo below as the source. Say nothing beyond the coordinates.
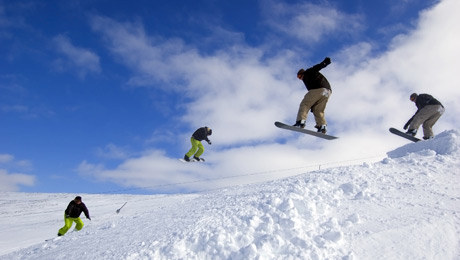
(68, 225)
(196, 145)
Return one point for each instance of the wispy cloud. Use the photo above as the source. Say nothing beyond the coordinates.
(82, 60)
(6, 158)
(111, 151)
(149, 57)
(310, 23)
(14, 108)
(13, 181)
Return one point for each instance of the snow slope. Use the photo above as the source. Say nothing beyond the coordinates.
(406, 206)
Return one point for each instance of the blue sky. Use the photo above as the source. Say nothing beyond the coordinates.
(102, 96)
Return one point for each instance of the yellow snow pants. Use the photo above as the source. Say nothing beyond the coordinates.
(68, 225)
(196, 145)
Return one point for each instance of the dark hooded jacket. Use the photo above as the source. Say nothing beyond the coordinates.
(74, 210)
(313, 79)
(201, 134)
(424, 100)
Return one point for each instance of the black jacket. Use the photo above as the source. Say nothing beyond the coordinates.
(313, 79)
(424, 100)
(201, 134)
(74, 210)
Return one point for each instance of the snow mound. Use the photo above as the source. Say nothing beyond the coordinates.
(404, 208)
(447, 142)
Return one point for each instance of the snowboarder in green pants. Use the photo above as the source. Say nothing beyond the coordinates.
(72, 214)
(199, 135)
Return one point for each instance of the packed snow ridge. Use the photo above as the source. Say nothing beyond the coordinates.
(406, 206)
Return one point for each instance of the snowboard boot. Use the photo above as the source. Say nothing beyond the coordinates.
(300, 123)
(186, 158)
(198, 159)
(321, 129)
(428, 138)
(412, 132)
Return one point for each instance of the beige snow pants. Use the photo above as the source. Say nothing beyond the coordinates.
(428, 117)
(315, 100)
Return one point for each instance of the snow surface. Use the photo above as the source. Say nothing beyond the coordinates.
(406, 206)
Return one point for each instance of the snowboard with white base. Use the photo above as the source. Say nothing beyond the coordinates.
(305, 131)
(191, 160)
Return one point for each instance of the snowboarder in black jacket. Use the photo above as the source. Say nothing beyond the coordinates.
(429, 110)
(72, 214)
(199, 135)
(319, 91)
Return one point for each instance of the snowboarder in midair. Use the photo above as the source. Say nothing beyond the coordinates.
(72, 214)
(319, 91)
(429, 110)
(199, 135)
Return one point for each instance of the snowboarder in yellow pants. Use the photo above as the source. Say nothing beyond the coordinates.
(196, 145)
(199, 135)
(68, 224)
(72, 214)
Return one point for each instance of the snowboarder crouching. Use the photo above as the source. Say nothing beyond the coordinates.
(199, 135)
(72, 214)
(429, 110)
(319, 91)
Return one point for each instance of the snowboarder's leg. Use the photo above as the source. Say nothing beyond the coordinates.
(79, 223)
(200, 150)
(194, 147)
(423, 115)
(320, 106)
(67, 225)
(437, 112)
(418, 119)
(308, 101)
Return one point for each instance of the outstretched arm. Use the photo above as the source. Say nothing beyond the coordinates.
(322, 64)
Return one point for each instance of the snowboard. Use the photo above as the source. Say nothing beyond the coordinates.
(53, 239)
(402, 134)
(191, 160)
(305, 131)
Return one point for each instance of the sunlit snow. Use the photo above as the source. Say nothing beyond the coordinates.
(407, 206)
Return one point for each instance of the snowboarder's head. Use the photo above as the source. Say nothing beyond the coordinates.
(77, 199)
(209, 131)
(413, 97)
(300, 73)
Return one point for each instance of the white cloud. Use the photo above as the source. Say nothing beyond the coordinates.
(4, 158)
(11, 182)
(82, 60)
(240, 93)
(309, 22)
(111, 151)
(14, 108)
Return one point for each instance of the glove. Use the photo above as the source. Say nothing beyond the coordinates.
(89, 218)
(407, 124)
(209, 142)
(327, 61)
